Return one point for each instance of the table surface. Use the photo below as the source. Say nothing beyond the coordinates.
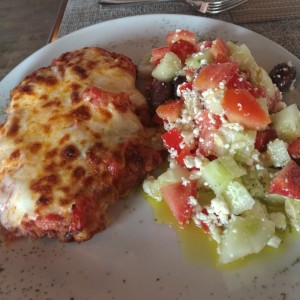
(278, 20)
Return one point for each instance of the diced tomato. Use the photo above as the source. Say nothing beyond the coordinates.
(182, 49)
(183, 153)
(219, 48)
(201, 46)
(272, 101)
(208, 125)
(170, 111)
(185, 86)
(177, 196)
(241, 107)
(238, 82)
(172, 139)
(258, 92)
(210, 76)
(263, 138)
(157, 54)
(189, 72)
(221, 59)
(181, 34)
(206, 144)
(208, 120)
(204, 225)
(287, 181)
(294, 149)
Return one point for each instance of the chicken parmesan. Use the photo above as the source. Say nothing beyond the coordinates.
(75, 140)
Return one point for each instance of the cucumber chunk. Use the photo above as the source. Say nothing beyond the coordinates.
(244, 236)
(239, 142)
(216, 176)
(287, 123)
(238, 198)
(196, 60)
(292, 209)
(232, 166)
(278, 153)
(168, 67)
(257, 182)
(258, 210)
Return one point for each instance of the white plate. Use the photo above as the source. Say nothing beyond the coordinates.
(135, 258)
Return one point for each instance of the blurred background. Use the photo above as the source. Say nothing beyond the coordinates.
(25, 26)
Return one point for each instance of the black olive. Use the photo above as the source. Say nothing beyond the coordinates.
(176, 82)
(158, 93)
(283, 76)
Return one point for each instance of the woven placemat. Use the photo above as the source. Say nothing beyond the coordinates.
(253, 15)
(266, 10)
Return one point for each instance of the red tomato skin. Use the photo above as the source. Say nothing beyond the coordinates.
(263, 138)
(221, 59)
(272, 101)
(241, 107)
(210, 76)
(190, 73)
(201, 46)
(182, 49)
(157, 54)
(171, 110)
(208, 125)
(287, 181)
(207, 120)
(294, 149)
(172, 139)
(204, 225)
(238, 82)
(186, 151)
(219, 48)
(177, 196)
(186, 86)
(182, 34)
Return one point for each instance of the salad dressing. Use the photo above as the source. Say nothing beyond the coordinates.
(197, 246)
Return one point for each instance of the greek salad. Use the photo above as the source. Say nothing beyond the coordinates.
(228, 134)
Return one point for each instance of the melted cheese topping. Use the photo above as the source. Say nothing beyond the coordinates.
(65, 139)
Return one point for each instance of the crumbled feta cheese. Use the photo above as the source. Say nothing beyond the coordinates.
(259, 167)
(192, 162)
(212, 100)
(196, 174)
(234, 126)
(219, 211)
(192, 201)
(188, 139)
(222, 84)
(274, 241)
(185, 181)
(173, 152)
